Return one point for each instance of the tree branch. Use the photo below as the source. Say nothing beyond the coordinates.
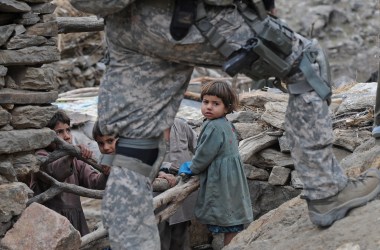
(59, 187)
(79, 24)
(174, 197)
(63, 149)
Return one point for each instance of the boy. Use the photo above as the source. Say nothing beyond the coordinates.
(181, 141)
(69, 169)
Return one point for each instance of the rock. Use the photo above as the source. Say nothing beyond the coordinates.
(275, 114)
(30, 56)
(288, 227)
(32, 116)
(259, 98)
(350, 139)
(13, 198)
(13, 6)
(26, 96)
(25, 140)
(279, 176)
(266, 197)
(42, 228)
(5, 117)
(246, 130)
(6, 32)
(250, 146)
(254, 173)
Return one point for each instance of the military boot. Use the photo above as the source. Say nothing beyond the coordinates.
(357, 192)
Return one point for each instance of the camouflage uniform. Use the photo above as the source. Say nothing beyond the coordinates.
(127, 211)
(144, 85)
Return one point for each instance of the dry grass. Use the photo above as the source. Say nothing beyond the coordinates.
(344, 88)
(64, 8)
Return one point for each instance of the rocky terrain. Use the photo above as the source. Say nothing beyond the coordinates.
(348, 29)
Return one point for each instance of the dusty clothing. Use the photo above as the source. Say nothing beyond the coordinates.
(127, 211)
(174, 232)
(182, 144)
(67, 204)
(183, 141)
(310, 136)
(223, 198)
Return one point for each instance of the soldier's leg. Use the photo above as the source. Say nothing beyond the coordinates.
(127, 211)
(309, 130)
(328, 193)
(138, 100)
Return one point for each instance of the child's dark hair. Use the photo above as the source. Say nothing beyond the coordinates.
(96, 131)
(59, 116)
(224, 91)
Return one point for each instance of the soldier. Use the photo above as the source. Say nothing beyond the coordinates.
(154, 46)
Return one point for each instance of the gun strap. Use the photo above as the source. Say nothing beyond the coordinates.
(319, 86)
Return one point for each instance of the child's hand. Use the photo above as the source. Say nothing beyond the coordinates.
(185, 169)
(106, 169)
(169, 177)
(85, 152)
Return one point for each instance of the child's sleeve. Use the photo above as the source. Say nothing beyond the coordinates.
(59, 169)
(207, 149)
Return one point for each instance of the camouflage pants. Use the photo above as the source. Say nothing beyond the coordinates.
(127, 211)
(309, 130)
(149, 71)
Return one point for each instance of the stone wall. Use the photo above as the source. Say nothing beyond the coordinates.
(28, 42)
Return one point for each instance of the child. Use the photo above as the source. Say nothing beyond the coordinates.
(174, 233)
(223, 201)
(68, 169)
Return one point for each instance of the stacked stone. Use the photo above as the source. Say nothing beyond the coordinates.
(28, 41)
(80, 72)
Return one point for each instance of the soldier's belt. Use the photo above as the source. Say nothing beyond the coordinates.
(132, 164)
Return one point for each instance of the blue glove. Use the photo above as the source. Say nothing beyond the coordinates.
(185, 168)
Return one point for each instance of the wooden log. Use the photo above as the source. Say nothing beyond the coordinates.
(192, 96)
(79, 24)
(173, 197)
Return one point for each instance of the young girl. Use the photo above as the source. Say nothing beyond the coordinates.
(223, 201)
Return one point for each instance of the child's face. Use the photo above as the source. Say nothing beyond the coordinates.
(213, 107)
(106, 144)
(63, 131)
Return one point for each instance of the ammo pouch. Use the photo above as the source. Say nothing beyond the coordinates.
(272, 45)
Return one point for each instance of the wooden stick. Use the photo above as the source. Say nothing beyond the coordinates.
(79, 24)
